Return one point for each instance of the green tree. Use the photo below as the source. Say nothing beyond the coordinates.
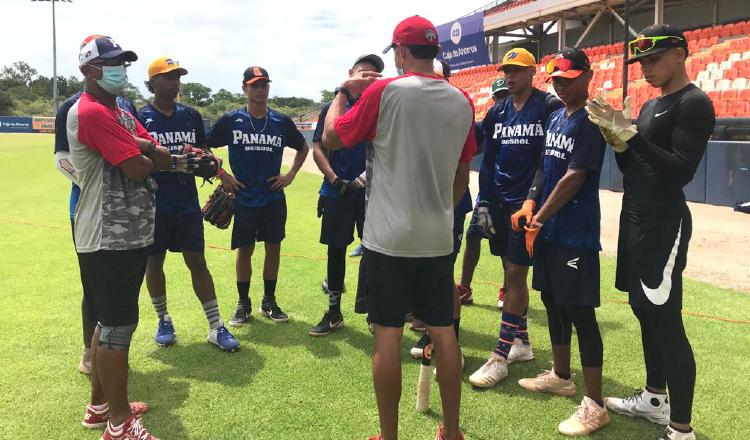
(6, 103)
(326, 95)
(20, 73)
(196, 94)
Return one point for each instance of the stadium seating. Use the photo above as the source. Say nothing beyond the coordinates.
(719, 63)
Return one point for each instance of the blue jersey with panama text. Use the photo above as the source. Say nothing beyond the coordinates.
(177, 193)
(573, 142)
(61, 137)
(513, 142)
(255, 151)
(347, 163)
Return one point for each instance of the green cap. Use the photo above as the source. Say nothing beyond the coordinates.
(498, 85)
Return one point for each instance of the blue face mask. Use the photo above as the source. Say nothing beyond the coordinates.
(114, 79)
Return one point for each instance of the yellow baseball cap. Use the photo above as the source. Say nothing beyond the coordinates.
(518, 56)
(164, 65)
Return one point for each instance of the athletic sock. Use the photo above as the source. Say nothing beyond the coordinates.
(680, 430)
(336, 268)
(508, 330)
(457, 327)
(211, 309)
(243, 290)
(334, 302)
(562, 376)
(269, 291)
(160, 305)
(100, 409)
(523, 329)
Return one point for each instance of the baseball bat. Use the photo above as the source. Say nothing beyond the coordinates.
(425, 379)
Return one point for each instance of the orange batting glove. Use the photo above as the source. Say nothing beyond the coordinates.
(531, 233)
(526, 212)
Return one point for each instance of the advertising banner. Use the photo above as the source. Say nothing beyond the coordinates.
(15, 124)
(462, 42)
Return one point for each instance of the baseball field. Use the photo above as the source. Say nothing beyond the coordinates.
(283, 384)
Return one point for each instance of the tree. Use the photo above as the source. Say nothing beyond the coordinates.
(20, 72)
(326, 95)
(6, 103)
(227, 96)
(132, 94)
(196, 93)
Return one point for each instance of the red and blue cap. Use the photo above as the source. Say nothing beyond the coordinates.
(101, 47)
(414, 31)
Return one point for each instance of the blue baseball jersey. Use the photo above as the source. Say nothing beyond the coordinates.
(347, 163)
(513, 143)
(177, 193)
(573, 142)
(61, 137)
(255, 151)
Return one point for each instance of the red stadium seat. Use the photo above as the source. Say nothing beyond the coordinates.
(737, 107)
(720, 107)
(744, 95)
(729, 95)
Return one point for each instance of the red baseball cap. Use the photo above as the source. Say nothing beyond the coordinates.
(414, 31)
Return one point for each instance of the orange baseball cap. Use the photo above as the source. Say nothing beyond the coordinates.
(518, 56)
(164, 65)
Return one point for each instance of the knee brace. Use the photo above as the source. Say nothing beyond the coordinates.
(116, 337)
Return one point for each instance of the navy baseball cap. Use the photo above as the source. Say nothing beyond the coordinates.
(253, 74)
(372, 59)
(101, 47)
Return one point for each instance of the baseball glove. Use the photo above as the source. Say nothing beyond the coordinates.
(201, 163)
(219, 208)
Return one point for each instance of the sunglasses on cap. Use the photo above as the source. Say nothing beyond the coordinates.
(558, 65)
(645, 44)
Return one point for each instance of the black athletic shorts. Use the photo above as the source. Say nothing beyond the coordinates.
(340, 217)
(458, 235)
(111, 284)
(569, 276)
(651, 256)
(178, 233)
(389, 287)
(266, 223)
(506, 242)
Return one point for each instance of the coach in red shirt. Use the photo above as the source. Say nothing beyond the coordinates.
(421, 130)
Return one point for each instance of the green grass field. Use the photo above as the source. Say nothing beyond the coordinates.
(284, 384)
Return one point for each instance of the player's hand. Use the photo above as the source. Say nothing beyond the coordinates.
(359, 182)
(609, 136)
(357, 83)
(526, 212)
(281, 181)
(180, 163)
(616, 121)
(342, 185)
(531, 233)
(484, 219)
(230, 184)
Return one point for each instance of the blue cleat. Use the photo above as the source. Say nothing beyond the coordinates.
(221, 338)
(357, 252)
(165, 335)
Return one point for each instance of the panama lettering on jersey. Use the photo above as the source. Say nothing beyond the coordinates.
(177, 193)
(513, 145)
(573, 142)
(256, 148)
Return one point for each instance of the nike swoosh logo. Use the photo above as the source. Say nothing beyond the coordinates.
(659, 114)
(574, 263)
(660, 294)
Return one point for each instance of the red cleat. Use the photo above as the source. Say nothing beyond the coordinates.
(500, 298)
(97, 419)
(132, 429)
(465, 294)
(441, 433)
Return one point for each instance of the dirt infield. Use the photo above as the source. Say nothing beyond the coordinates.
(719, 248)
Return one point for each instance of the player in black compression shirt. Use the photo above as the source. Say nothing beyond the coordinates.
(658, 157)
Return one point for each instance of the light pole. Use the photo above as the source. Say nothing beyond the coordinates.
(54, 51)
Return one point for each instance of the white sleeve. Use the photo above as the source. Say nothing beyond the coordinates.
(62, 163)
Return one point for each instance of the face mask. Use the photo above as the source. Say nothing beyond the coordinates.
(400, 70)
(114, 79)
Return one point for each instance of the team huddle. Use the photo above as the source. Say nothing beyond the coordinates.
(134, 198)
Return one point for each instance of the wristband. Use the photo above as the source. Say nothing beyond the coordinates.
(344, 91)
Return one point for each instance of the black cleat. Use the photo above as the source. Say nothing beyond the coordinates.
(272, 311)
(241, 315)
(330, 322)
(418, 350)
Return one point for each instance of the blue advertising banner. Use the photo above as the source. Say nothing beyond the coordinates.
(15, 124)
(462, 42)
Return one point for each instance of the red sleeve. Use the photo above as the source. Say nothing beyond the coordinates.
(99, 130)
(360, 123)
(470, 146)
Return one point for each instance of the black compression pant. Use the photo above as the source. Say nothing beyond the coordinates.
(561, 319)
(336, 268)
(669, 358)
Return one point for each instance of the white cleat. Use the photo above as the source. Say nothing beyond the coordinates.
(520, 352)
(549, 382)
(491, 373)
(672, 434)
(590, 417)
(644, 404)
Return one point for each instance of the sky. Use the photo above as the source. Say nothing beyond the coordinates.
(306, 46)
